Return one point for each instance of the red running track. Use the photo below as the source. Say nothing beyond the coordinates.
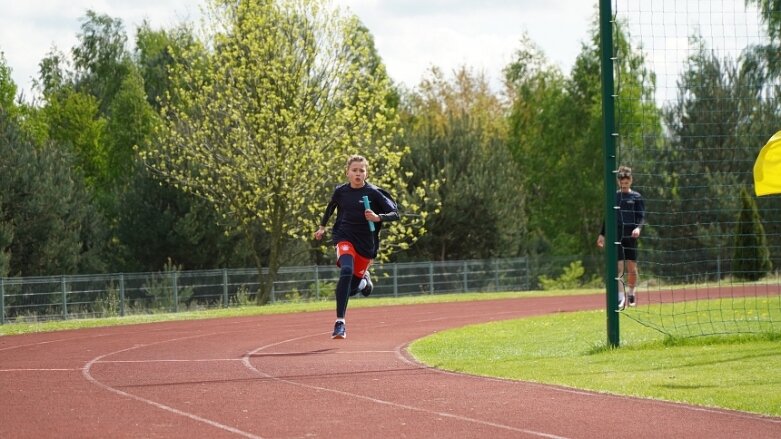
(282, 376)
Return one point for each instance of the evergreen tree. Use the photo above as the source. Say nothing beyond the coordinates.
(752, 257)
(48, 224)
(716, 125)
(556, 136)
(458, 133)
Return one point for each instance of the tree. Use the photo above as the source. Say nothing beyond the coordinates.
(769, 12)
(264, 120)
(557, 140)
(74, 122)
(715, 127)
(7, 88)
(52, 73)
(154, 56)
(48, 225)
(538, 141)
(638, 118)
(79, 99)
(130, 125)
(101, 59)
(752, 257)
(457, 132)
(8, 109)
(762, 63)
(156, 222)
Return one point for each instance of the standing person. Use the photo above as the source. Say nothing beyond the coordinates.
(356, 243)
(630, 219)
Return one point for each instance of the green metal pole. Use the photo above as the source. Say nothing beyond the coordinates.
(122, 294)
(466, 277)
(395, 280)
(64, 291)
(225, 288)
(496, 275)
(609, 154)
(175, 291)
(317, 282)
(2, 302)
(431, 278)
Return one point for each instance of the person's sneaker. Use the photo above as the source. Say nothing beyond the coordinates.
(339, 330)
(621, 304)
(632, 301)
(369, 285)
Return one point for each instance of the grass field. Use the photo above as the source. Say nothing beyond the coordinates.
(735, 372)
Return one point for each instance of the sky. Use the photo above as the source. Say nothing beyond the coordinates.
(411, 36)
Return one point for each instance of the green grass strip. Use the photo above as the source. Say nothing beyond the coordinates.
(741, 372)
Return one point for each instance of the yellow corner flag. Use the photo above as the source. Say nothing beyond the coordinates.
(767, 168)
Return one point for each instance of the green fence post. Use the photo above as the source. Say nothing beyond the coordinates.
(273, 289)
(64, 298)
(224, 287)
(395, 280)
(609, 156)
(176, 291)
(527, 273)
(2, 302)
(317, 282)
(431, 278)
(466, 277)
(122, 294)
(496, 275)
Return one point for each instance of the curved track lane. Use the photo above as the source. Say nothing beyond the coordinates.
(282, 376)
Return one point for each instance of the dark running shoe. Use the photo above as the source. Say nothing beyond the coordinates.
(632, 300)
(369, 285)
(339, 330)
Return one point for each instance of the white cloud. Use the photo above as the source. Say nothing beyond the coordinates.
(30, 29)
(411, 35)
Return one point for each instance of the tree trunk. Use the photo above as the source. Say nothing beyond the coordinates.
(267, 282)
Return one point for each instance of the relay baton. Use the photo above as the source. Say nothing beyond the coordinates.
(366, 205)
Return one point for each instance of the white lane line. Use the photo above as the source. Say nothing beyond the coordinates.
(45, 342)
(248, 356)
(194, 360)
(41, 370)
(86, 372)
(208, 360)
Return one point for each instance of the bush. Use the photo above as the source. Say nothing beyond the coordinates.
(569, 279)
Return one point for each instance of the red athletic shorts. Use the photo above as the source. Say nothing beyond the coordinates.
(360, 264)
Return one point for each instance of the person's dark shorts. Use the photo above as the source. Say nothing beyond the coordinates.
(627, 251)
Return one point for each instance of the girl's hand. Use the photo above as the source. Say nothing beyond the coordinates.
(371, 216)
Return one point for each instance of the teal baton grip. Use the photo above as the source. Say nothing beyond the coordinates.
(367, 206)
